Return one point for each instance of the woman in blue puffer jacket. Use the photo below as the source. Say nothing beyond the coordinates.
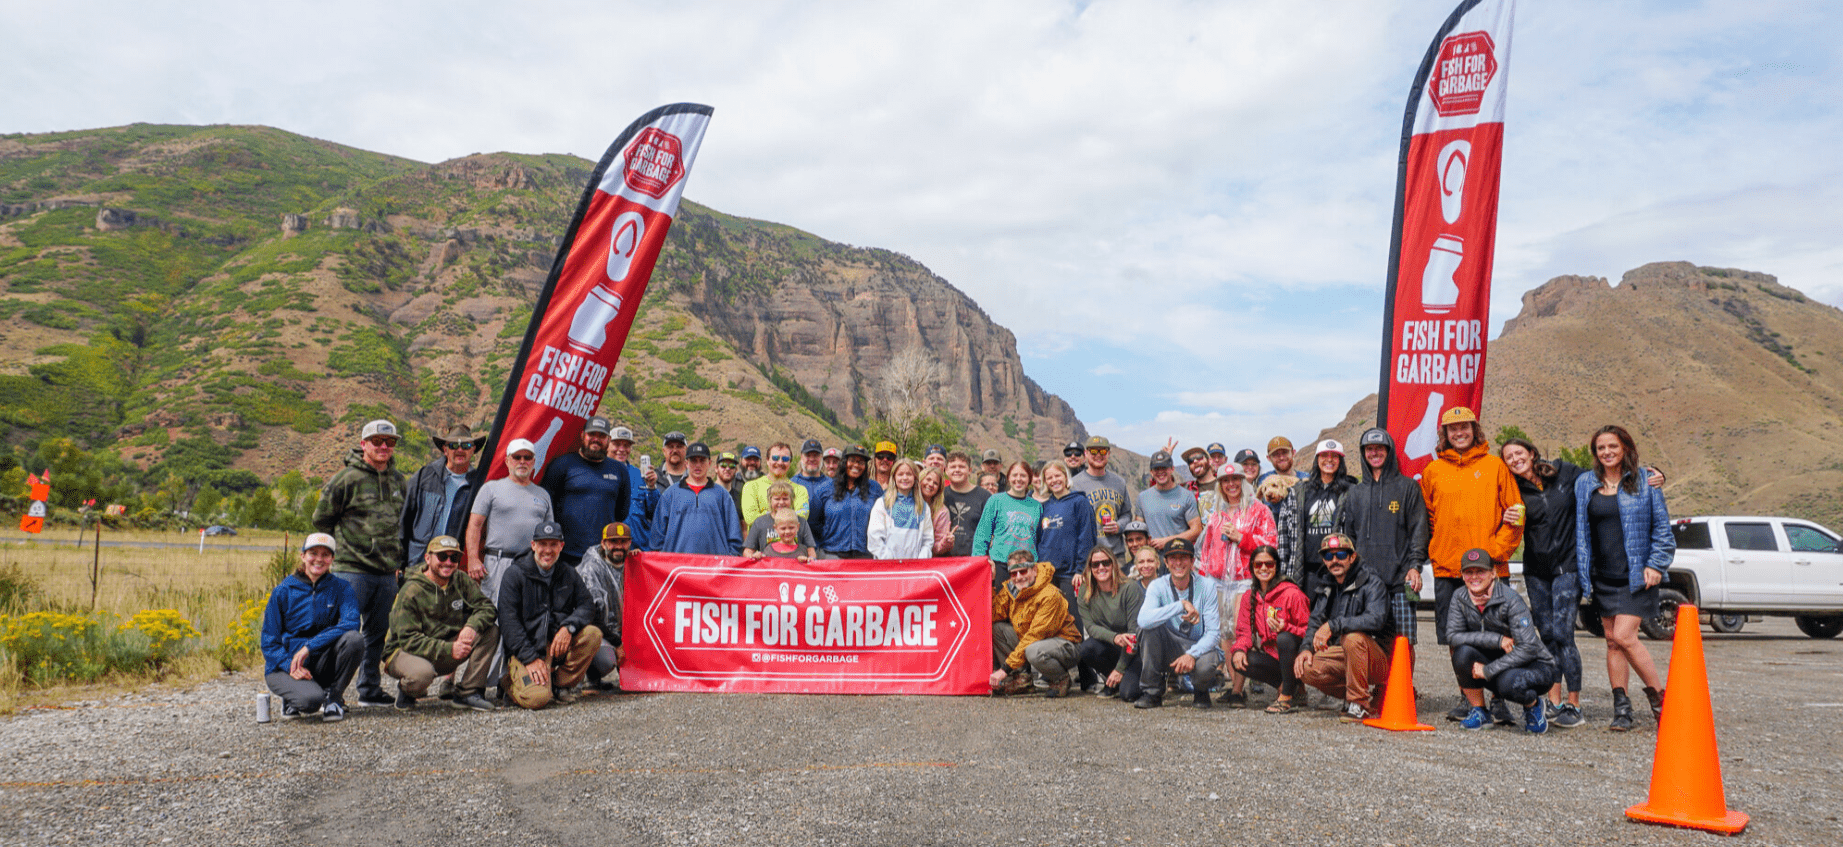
(1623, 547)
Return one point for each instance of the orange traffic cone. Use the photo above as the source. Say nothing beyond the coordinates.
(1398, 703)
(1686, 769)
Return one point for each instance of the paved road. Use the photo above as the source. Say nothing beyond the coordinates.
(191, 767)
(213, 543)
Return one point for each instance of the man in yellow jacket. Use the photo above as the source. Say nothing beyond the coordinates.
(1472, 502)
(1031, 626)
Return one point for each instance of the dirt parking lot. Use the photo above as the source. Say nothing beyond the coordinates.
(192, 767)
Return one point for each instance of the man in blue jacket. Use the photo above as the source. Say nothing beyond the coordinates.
(311, 646)
(1179, 628)
(641, 500)
(697, 515)
(440, 495)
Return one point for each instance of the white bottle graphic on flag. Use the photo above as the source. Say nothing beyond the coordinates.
(1439, 293)
(543, 445)
(1426, 437)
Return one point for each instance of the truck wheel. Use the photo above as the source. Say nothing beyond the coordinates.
(1664, 626)
(1591, 622)
(1727, 623)
(1820, 626)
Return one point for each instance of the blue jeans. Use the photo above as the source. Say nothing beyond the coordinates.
(1554, 603)
(376, 593)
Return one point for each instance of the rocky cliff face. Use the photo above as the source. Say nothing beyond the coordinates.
(1729, 381)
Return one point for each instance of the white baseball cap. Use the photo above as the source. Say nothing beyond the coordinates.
(379, 427)
(318, 539)
(1330, 446)
(521, 444)
(622, 433)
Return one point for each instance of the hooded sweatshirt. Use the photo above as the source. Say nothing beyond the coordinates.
(1037, 612)
(1280, 609)
(305, 614)
(1321, 507)
(1387, 518)
(1548, 533)
(1065, 532)
(426, 618)
(362, 508)
(1467, 494)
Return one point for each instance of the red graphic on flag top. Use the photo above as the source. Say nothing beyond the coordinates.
(656, 161)
(1461, 74)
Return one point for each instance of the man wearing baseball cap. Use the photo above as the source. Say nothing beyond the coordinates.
(812, 469)
(547, 617)
(1280, 453)
(751, 463)
(587, 489)
(1496, 644)
(1169, 509)
(362, 508)
(991, 462)
(935, 456)
(1387, 519)
(675, 469)
(1472, 502)
(1349, 630)
(755, 492)
(1218, 455)
(603, 569)
(885, 456)
(696, 515)
(1202, 484)
(311, 646)
(1108, 495)
(1031, 626)
(1072, 458)
(1321, 503)
(441, 617)
(1180, 628)
(830, 460)
(641, 500)
(438, 497)
(505, 513)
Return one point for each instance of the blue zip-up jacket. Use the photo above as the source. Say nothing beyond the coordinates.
(1164, 607)
(641, 501)
(812, 484)
(703, 521)
(309, 614)
(1646, 522)
(843, 524)
(1065, 533)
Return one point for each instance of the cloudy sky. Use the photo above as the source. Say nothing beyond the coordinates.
(1181, 208)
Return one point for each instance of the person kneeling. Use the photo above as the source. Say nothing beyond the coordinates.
(1031, 625)
(1179, 629)
(1350, 626)
(1496, 643)
(311, 646)
(547, 617)
(1272, 625)
(441, 617)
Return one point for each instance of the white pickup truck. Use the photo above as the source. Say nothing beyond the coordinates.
(1734, 568)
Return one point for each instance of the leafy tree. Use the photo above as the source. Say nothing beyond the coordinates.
(207, 503)
(1505, 433)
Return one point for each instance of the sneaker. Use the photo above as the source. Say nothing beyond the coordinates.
(1108, 692)
(1500, 712)
(474, 702)
(1147, 701)
(1460, 712)
(602, 686)
(404, 701)
(1477, 717)
(333, 712)
(379, 700)
(1093, 688)
(1201, 700)
(1567, 716)
(290, 712)
(563, 696)
(1355, 712)
(1536, 716)
(1235, 701)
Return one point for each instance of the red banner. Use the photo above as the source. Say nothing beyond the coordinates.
(587, 306)
(1445, 230)
(834, 626)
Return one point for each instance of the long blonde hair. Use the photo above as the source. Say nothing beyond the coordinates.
(889, 495)
(939, 500)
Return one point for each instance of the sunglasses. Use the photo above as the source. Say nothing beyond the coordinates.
(1100, 563)
(1070, 453)
(447, 557)
(1097, 451)
(526, 457)
(1337, 555)
(1264, 564)
(780, 458)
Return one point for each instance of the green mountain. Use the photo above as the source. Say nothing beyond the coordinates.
(227, 304)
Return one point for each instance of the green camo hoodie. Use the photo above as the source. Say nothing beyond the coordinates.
(361, 507)
(427, 618)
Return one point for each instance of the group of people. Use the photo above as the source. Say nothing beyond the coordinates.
(1286, 576)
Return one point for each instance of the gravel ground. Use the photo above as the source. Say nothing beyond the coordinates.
(193, 767)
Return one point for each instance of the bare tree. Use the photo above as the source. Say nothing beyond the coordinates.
(906, 399)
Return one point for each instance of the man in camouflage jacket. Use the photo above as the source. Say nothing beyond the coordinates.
(361, 507)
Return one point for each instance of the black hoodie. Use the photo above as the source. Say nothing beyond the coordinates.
(1386, 518)
(1321, 509)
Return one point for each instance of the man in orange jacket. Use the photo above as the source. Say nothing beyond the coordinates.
(1031, 625)
(1472, 502)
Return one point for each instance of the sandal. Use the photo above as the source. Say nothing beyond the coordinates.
(1280, 707)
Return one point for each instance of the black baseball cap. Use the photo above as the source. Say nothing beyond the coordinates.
(1474, 558)
(697, 450)
(811, 446)
(1245, 455)
(674, 435)
(1161, 459)
(547, 531)
(856, 450)
(597, 424)
(1073, 448)
(1178, 545)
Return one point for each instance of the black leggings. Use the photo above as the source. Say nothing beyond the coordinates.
(1518, 685)
(1276, 672)
(1099, 658)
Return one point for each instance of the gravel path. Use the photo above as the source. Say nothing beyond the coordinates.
(192, 767)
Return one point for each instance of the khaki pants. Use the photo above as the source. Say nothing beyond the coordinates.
(1347, 668)
(414, 674)
(1053, 658)
(568, 672)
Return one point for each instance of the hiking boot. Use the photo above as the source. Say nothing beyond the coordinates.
(1201, 700)
(1500, 712)
(1059, 688)
(1567, 716)
(563, 696)
(1656, 696)
(1355, 712)
(1622, 712)
(472, 701)
(1147, 701)
(404, 701)
(333, 712)
(1536, 716)
(1235, 701)
(1459, 712)
(1477, 717)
